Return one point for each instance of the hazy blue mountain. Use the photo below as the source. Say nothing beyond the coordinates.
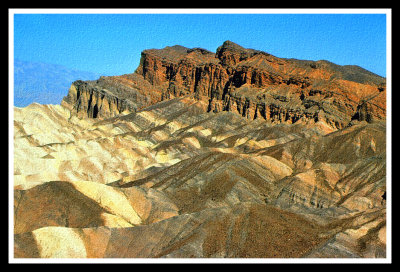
(44, 83)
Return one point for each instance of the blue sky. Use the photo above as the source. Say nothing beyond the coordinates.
(110, 44)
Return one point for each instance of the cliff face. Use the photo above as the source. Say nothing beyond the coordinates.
(249, 82)
(110, 96)
(90, 101)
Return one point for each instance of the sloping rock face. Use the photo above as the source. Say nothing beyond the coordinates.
(248, 82)
(173, 181)
(237, 154)
(109, 96)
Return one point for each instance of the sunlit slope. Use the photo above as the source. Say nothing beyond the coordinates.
(172, 180)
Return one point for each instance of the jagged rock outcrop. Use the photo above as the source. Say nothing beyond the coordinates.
(252, 83)
(256, 84)
(89, 101)
(110, 96)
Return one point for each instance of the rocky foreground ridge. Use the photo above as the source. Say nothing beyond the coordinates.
(178, 160)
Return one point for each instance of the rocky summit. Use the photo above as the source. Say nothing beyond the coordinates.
(232, 154)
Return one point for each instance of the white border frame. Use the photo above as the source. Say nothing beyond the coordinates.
(388, 13)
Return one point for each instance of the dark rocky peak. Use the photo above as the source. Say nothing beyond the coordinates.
(200, 50)
(231, 46)
(231, 53)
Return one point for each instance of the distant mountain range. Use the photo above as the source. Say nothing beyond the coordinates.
(44, 83)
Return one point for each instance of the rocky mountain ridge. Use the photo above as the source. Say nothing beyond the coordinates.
(249, 82)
